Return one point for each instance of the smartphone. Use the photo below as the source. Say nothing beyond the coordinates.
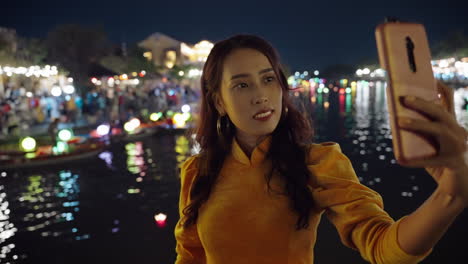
(405, 56)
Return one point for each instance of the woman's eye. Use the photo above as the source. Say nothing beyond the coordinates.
(269, 79)
(241, 85)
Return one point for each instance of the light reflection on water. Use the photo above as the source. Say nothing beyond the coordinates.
(7, 228)
(44, 205)
(141, 179)
(51, 204)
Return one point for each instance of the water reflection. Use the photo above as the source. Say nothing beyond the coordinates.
(182, 149)
(44, 204)
(134, 186)
(7, 228)
(51, 204)
(107, 156)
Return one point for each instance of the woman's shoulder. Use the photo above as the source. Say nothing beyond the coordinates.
(190, 164)
(327, 160)
(320, 152)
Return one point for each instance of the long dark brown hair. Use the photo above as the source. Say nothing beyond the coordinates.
(289, 140)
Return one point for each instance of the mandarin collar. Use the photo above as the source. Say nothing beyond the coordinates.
(258, 154)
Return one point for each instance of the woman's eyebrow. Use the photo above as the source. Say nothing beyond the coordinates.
(247, 75)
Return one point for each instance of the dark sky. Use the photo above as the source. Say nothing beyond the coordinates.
(308, 34)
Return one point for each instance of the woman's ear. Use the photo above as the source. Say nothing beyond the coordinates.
(218, 101)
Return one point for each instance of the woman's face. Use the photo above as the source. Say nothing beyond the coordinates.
(250, 86)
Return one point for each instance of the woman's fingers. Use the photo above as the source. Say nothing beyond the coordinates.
(446, 94)
(423, 162)
(431, 110)
(453, 138)
(422, 126)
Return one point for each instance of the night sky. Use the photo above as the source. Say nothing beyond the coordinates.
(308, 34)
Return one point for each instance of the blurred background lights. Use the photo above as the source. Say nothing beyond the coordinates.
(65, 134)
(103, 130)
(28, 144)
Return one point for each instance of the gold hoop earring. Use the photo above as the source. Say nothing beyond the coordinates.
(285, 112)
(219, 127)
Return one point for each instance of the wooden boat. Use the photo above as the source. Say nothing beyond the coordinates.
(45, 156)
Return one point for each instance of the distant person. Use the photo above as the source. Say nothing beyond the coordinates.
(52, 130)
(71, 109)
(256, 191)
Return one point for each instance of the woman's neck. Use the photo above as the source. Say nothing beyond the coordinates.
(248, 143)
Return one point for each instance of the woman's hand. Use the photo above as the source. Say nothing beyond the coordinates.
(448, 166)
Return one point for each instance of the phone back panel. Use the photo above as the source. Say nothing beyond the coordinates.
(408, 73)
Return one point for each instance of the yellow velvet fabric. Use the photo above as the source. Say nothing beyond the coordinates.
(243, 222)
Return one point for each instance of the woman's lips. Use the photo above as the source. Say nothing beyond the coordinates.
(263, 116)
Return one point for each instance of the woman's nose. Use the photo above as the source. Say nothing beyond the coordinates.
(260, 100)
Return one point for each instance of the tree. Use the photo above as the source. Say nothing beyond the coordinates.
(31, 51)
(338, 71)
(134, 61)
(454, 45)
(137, 62)
(75, 48)
(173, 73)
(114, 63)
(7, 51)
(369, 62)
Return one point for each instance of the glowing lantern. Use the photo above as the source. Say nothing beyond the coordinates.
(65, 134)
(155, 116)
(179, 120)
(131, 125)
(186, 116)
(28, 144)
(185, 108)
(69, 89)
(56, 91)
(135, 121)
(103, 130)
(128, 127)
(160, 219)
(60, 148)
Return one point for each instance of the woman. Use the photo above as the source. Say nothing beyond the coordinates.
(256, 191)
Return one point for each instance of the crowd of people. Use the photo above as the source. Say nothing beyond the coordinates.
(21, 110)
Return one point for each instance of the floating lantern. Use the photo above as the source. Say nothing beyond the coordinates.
(69, 89)
(61, 147)
(179, 120)
(56, 91)
(28, 144)
(131, 125)
(170, 113)
(65, 134)
(155, 116)
(185, 108)
(160, 219)
(103, 130)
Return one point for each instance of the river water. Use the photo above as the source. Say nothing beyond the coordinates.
(104, 210)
